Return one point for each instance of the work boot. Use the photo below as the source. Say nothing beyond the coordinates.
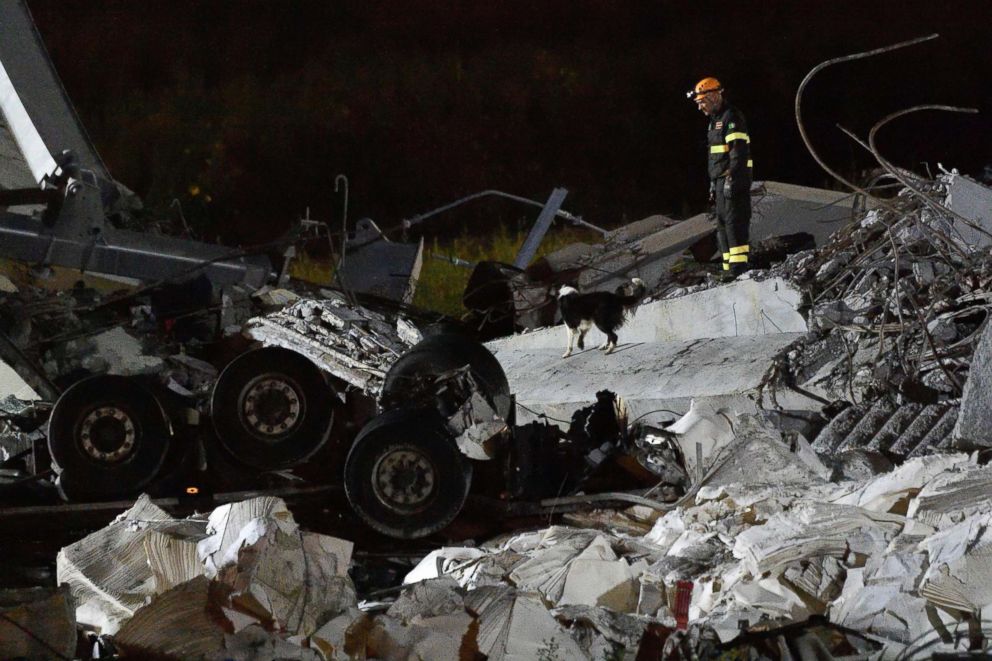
(739, 269)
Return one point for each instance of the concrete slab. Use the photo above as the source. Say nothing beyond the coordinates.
(646, 249)
(974, 201)
(742, 308)
(725, 372)
(974, 424)
(648, 258)
(786, 209)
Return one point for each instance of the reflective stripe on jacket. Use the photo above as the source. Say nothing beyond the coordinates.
(729, 147)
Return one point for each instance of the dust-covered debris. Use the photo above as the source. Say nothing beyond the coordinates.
(351, 342)
(243, 578)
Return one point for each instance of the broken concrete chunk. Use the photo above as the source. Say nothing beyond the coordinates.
(702, 434)
(122, 353)
(342, 637)
(271, 297)
(231, 527)
(879, 598)
(959, 576)
(602, 633)
(298, 580)
(814, 529)
(974, 424)
(517, 626)
(108, 571)
(13, 384)
(172, 560)
(429, 598)
(348, 341)
(443, 561)
(185, 622)
(953, 495)
(451, 636)
(892, 492)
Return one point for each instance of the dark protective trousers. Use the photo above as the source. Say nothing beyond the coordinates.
(733, 225)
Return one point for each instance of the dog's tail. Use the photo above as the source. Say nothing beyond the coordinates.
(637, 293)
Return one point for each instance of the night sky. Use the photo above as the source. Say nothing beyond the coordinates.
(245, 111)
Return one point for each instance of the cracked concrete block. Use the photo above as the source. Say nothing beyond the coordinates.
(108, 571)
(603, 633)
(123, 354)
(348, 341)
(973, 201)
(13, 384)
(185, 622)
(960, 573)
(666, 375)
(974, 423)
(518, 626)
(814, 529)
(954, 494)
(879, 597)
(747, 307)
(893, 491)
(787, 208)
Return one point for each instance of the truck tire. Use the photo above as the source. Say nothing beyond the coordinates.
(441, 353)
(404, 476)
(272, 408)
(108, 436)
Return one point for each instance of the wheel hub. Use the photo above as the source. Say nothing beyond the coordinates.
(404, 479)
(107, 434)
(271, 406)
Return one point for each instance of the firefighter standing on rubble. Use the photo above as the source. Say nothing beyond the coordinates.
(730, 173)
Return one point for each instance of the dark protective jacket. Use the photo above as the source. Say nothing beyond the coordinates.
(730, 150)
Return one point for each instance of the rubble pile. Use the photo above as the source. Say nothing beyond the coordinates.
(898, 303)
(242, 583)
(351, 342)
(894, 559)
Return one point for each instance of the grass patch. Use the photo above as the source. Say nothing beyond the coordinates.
(442, 283)
(311, 269)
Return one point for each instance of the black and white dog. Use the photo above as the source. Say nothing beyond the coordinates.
(607, 310)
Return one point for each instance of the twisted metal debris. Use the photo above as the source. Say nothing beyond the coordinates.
(899, 294)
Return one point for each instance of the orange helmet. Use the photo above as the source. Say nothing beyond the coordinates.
(704, 86)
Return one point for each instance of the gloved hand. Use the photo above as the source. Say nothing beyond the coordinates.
(727, 187)
(712, 197)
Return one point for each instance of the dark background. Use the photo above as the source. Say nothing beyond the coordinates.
(255, 106)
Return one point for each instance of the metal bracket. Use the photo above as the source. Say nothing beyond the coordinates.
(533, 241)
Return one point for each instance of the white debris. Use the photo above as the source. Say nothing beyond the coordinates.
(245, 584)
(231, 527)
(443, 562)
(703, 432)
(351, 342)
(950, 497)
(517, 626)
(960, 573)
(812, 529)
(892, 491)
(109, 571)
(122, 354)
